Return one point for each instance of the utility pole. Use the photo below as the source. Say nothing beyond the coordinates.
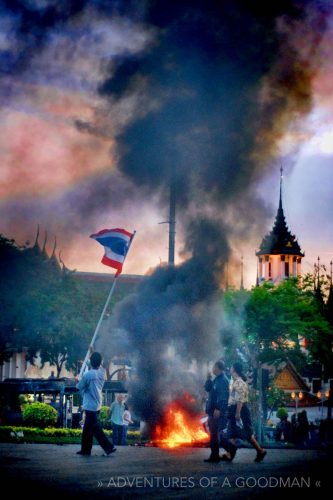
(242, 274)
(260, 433)
(172, 223)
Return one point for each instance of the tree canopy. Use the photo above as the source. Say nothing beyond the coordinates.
(275, 322)
(42, 309)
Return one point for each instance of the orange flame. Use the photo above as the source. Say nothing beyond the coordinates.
(179, 428)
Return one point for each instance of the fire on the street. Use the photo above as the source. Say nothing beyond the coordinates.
(179, 428)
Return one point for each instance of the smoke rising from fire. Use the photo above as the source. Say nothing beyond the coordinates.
(171, 320)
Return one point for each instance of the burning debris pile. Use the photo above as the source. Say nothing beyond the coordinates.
(180, 425)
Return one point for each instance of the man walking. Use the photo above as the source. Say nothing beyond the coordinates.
(216, 408)
(90, 386)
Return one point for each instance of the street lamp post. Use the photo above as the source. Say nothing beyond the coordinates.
(296, 397)
(321, 396)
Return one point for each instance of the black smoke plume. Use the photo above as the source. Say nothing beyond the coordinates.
(172, 320)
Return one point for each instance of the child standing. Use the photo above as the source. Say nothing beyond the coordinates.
(127, 419)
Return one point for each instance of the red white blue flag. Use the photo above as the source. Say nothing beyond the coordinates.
(115, 243)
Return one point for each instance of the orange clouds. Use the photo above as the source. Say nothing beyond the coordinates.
(42, 151)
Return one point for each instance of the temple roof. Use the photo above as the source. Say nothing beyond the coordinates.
(280, 240)
(288, 378)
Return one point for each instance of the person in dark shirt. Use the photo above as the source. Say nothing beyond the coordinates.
(216, 408)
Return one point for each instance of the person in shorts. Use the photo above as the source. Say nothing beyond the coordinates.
(239, 417)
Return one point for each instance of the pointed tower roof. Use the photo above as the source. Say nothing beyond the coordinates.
(44, 246)
(65, 269)
(317, 288)
(53, 259)
(280, 240)
(35, 248)
(54, 248)
(36, 244)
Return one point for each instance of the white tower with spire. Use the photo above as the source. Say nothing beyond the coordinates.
(279, 255)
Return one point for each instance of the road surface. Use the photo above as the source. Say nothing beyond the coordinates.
(49, 471)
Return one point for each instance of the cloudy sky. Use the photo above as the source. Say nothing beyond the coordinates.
(103, 102)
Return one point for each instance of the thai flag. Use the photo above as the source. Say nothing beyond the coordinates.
(115, 243)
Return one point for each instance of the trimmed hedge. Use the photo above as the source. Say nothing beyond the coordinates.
(10, 433)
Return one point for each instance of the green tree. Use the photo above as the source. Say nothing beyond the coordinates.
(233, 319)
(275, 399)
(44, 310)
(12, 285)
(278, 316)
(268, 323)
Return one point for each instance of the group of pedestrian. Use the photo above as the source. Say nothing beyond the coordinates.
(227, 410)
(297, 431)
(90, 386)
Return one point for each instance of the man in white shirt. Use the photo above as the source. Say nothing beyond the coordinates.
(90, 386)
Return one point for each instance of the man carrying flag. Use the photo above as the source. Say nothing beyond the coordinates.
(90, 386)
(116, 243)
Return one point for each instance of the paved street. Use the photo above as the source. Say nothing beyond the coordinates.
(134, 472)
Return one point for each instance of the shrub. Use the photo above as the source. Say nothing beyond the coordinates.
(282, 413)
(40, 414)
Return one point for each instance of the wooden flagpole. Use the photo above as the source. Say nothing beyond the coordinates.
(91, 345)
